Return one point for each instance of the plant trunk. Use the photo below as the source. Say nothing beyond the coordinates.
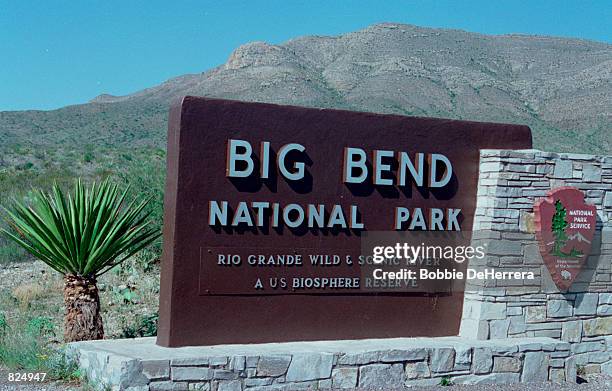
(83, 321)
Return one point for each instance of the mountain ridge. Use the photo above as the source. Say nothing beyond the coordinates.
(560, 87)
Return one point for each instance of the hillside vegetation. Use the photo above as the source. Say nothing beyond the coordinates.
(560, 87)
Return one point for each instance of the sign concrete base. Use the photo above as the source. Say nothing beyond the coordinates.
(140, 364)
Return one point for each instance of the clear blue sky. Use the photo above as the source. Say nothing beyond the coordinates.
(56, 53)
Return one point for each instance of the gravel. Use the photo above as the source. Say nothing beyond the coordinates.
(592, 383)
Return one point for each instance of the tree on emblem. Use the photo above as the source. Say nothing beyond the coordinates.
(559, 225)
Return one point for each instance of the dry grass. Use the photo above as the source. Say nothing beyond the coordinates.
(25, 294)
(31, 289)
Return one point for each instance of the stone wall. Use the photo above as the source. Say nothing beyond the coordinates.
(509, 183)
(140, 365)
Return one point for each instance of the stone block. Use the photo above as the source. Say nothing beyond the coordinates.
(586, 304)
(168, 386)
(556, 334)
(506, 364)
(442, 360)
(535, 367)
(474, 329)
(557, 362)
(345, 377)
(535, 314)
(590, 346)
(526, 168)
(591, 173)
(597, 326)
(499, 328)
(314, 366)
(463, 358)
(191, 374)
(604, 310)
(590, 369)
(605, 298)
(526, 221)
(483, 361)
(156, 369)
(517, 323)
(218, 361)
(490, 167)
(359, 358)
(600, 357)
(570, 369)
(557, 375)
(273, 365)
(381, 376)
(403, 355)
(232, 385)
(504, 350)
(608, 200)
(571, 331)
(563, 168)
(561, 354)
(507, 213)
(189, 362)
(257, 381)
(552, 346)
(490, 311)
(251, 361)
(562, 346)
(532, 254)
(199, 386)
(238, 363)
(505, 247)
(558, 309)
(224, 374)
(417, 370)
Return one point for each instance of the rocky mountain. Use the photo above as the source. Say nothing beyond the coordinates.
(561, 87)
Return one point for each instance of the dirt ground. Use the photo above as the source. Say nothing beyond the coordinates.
(595, 383)
(32, 289)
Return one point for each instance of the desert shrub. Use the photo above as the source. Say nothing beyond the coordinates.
(124, 294)
(40, 325)
(10, 252)
(446, 381)
(145, 326)
(147, 178)
(88, 157)
(3, 324)
(25, 166)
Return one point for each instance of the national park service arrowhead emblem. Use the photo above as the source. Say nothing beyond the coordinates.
(565, 226)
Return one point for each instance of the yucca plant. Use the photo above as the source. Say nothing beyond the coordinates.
(81, 235)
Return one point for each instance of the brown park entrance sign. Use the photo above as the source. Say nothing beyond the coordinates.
(265, 207)
(565, 227)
